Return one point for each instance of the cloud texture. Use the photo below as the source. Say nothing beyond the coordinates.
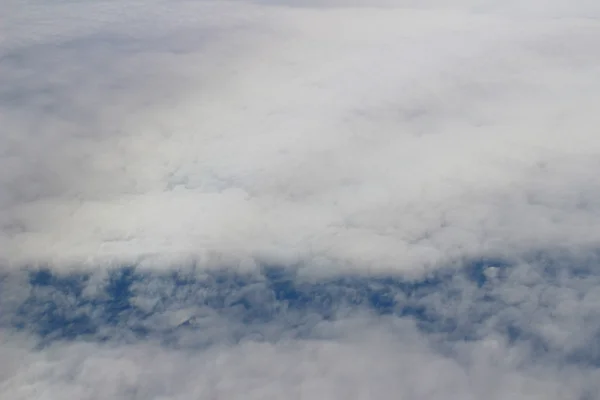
(420, 176)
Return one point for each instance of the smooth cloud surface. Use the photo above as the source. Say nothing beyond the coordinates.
(440, 158)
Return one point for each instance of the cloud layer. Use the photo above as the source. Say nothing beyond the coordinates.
(274, 199)
(344, 137)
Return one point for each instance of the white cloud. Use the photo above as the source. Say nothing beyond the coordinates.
(386, 362)
(362, 137)
(395, 136)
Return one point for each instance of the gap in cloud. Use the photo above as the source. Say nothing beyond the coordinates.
(522, 303)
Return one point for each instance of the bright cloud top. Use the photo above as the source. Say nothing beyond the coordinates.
(357, 137)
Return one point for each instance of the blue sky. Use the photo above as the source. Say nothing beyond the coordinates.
(281, 199)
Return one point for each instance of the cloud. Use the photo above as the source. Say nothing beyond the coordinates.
(355, 368)
(268, 199)
(521, 331)
(405, 139)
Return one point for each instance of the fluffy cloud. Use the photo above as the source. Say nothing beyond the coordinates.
(373, 364)
(387, 144)
(393, 139)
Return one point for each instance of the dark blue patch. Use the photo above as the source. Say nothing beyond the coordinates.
(458, 304)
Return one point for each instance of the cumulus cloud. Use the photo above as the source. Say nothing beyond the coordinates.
(159, 158)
